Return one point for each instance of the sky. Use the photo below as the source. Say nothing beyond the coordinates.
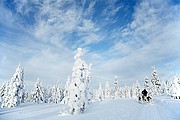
(119, 37)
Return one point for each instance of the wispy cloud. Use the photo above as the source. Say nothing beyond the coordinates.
(150, 39)
(118, 40)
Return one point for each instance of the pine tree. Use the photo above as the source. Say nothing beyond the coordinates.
(137, 89)
(5, 97)
(155, 82)
(79, 86)
(38, 92)
(66, 91)
(146, 83)
(2, 90)
(163, 88)
(57, 93)
(116, 88)
(107, 91)
(100, 92)
(15, 89)
(176, 87)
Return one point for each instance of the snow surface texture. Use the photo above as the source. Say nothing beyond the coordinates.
(162, 108)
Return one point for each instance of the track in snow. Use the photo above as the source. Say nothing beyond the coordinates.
(123, 109)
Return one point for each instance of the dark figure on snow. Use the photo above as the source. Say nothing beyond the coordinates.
(144, 94)
(144, 98)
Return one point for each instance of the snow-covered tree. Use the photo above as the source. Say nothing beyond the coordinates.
(163, 88)
(38, 92)
(66, 91)
(127, 91)
(79, 87)
(137, 89)
(107, 91)
(95, 94)
(5, 96)
(168, 87)
(131, 92)
(57, 93)
(100, 92)
(155, 82)
(2, 91)
(15, 89)
(176, 87)
(146, 83)
(116, 88)
(46, 95)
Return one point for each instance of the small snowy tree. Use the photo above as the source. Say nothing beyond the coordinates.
(116, 88)
(176, 87)
(107, 91)
(146, 83)
(57, 93)
(66, 91)
(137, 89)
(100, 92)
(2, 91)
(79, 87)
(155, 82)
(38, 92)
(163, 88)
(5, 96)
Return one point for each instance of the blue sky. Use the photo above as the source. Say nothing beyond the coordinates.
(119, 37)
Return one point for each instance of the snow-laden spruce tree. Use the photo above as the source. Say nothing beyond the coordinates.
(107, 91)
(5, 96)
(163, 88)
(116, 88)
(66, 91)
(38, 92)
(57, 93)
(137, 89)
(100, 92)
(15, 89)
(176, 87)
(80, 83)
(146, 83)
(2, 91)
(155, 82)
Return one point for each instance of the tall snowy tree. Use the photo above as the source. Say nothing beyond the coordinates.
(116, 88)
(15, 92)
(155, 82)
(176, 87)
(38, 92)
(79, 86)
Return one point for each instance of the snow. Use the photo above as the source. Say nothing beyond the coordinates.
(161, 108)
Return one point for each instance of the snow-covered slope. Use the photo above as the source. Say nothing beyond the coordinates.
(123, 109)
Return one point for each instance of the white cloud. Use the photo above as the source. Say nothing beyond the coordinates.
(55, 23)
(49, 66)
(152, 38)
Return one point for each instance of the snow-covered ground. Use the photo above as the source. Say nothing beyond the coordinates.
(162, 108)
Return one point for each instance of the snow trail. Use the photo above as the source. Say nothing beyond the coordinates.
(122, 109)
